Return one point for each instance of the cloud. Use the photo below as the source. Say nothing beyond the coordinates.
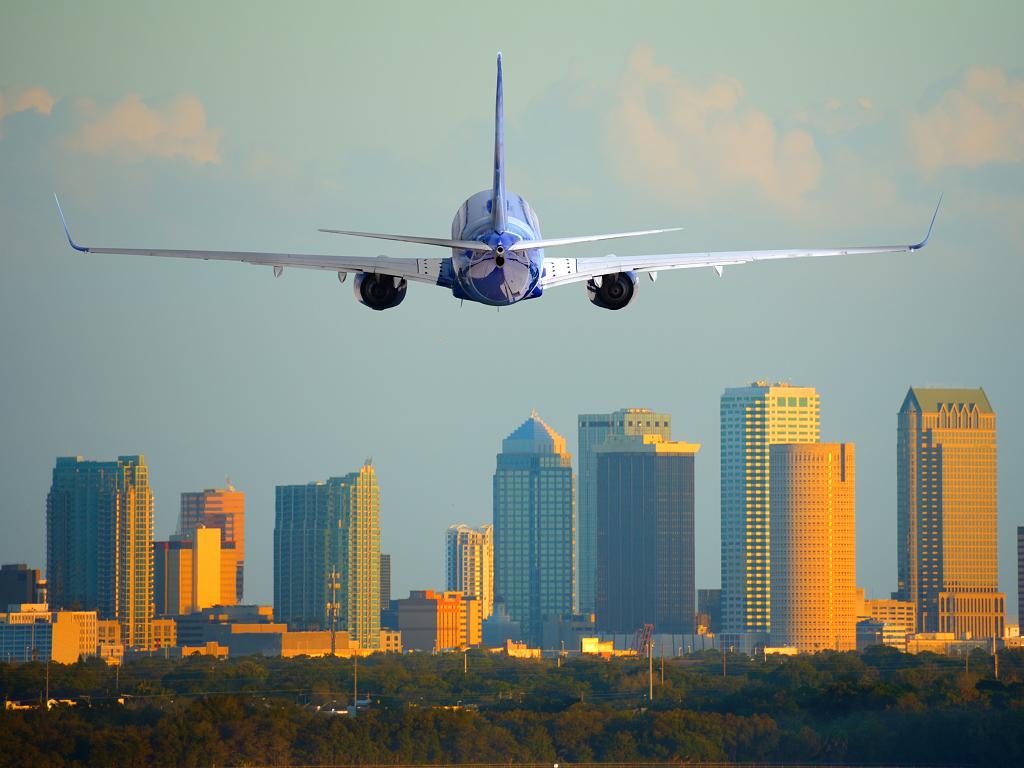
(690, 141)
(981, 121)
(836, 116)
(132, 131)
(23, 99)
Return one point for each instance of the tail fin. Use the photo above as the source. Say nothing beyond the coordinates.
(499, 215)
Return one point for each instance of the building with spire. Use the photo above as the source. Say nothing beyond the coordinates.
(327, 555)
(534, 526)
(753, 418)
(99, 542)
(947, 558)
(593, 429)
(222, 508)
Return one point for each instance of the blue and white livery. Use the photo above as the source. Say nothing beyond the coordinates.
(498, 254)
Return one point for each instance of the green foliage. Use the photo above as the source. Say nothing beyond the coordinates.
(877, 707)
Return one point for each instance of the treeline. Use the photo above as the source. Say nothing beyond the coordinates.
(881, 707)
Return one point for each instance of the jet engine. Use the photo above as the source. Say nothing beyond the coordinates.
(379, 291)
(613, 291)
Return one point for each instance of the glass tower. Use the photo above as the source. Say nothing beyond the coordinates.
(645, 539)
(946, 511)
(534, 531)
(594, 428)
(752, 419)
(321, 527)
(99, 542)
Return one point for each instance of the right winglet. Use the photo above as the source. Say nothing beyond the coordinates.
(71, 242)
(923, 243)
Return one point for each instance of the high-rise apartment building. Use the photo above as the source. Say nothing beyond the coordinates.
(752, 419)
(594, 428)
(813, 543)
(645, 534)
(385, 581)
(469, 556)
(326, 528)
(947, 559)
(534, 531)
(222, 508)
(99, 542)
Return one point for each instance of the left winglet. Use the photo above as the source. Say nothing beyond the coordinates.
(923, 243)
(71, 242)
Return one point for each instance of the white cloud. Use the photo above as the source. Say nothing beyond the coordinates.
(981, 121)
(691, 141)
(131, 131)
(23, 99)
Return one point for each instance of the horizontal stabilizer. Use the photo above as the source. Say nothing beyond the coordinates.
(529, 245)
(463, 245)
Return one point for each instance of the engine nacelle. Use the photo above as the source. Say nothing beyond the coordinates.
(613, 291)
(379, 291)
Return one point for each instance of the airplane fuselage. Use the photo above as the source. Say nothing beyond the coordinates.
(497, 277)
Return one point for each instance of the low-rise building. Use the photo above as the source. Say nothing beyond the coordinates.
(32, 632)
(432, 621)
(390, 641)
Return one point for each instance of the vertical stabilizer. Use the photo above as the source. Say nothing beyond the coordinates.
(499, 215)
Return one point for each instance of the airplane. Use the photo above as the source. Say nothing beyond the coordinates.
(498, 254)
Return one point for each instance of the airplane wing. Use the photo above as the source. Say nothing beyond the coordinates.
(564, 271)
(418, 270)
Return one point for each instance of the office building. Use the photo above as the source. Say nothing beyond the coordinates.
(32, 632)
(1020, 575)
(947, 559)
(709, 610)
(193, 573)
(813, 560)
(469, 557)
(594, 428)
(534, 530)
(20, 584)
(645, 534)
(326, 528)
(222, 508)
(896, 620)
(99, 542)
(752, 419)
(432, 621)
(385, 581)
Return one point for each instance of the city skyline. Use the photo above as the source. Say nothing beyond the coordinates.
(213, 387)
(1007, 588)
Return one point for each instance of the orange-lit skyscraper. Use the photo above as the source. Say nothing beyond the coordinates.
(192, 573)
(814, 572)
(946, 511)
(470, 564)
(222, 508)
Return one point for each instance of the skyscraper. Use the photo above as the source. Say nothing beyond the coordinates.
(534, 531)
(813, 560)
(645, 544)
(385, 581)
(321, 527)
(20, 584)
(593, 429)
(99, 539)
(753, 418)
(469, 555)
(222, 508)
(192, 573)
(1020, 574)
(947, 560)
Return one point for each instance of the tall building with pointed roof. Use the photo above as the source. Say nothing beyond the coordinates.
(222, 508)
(594, 429)
(534, 526)
(947, 559)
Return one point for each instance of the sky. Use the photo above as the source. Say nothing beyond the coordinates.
(247, 126)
